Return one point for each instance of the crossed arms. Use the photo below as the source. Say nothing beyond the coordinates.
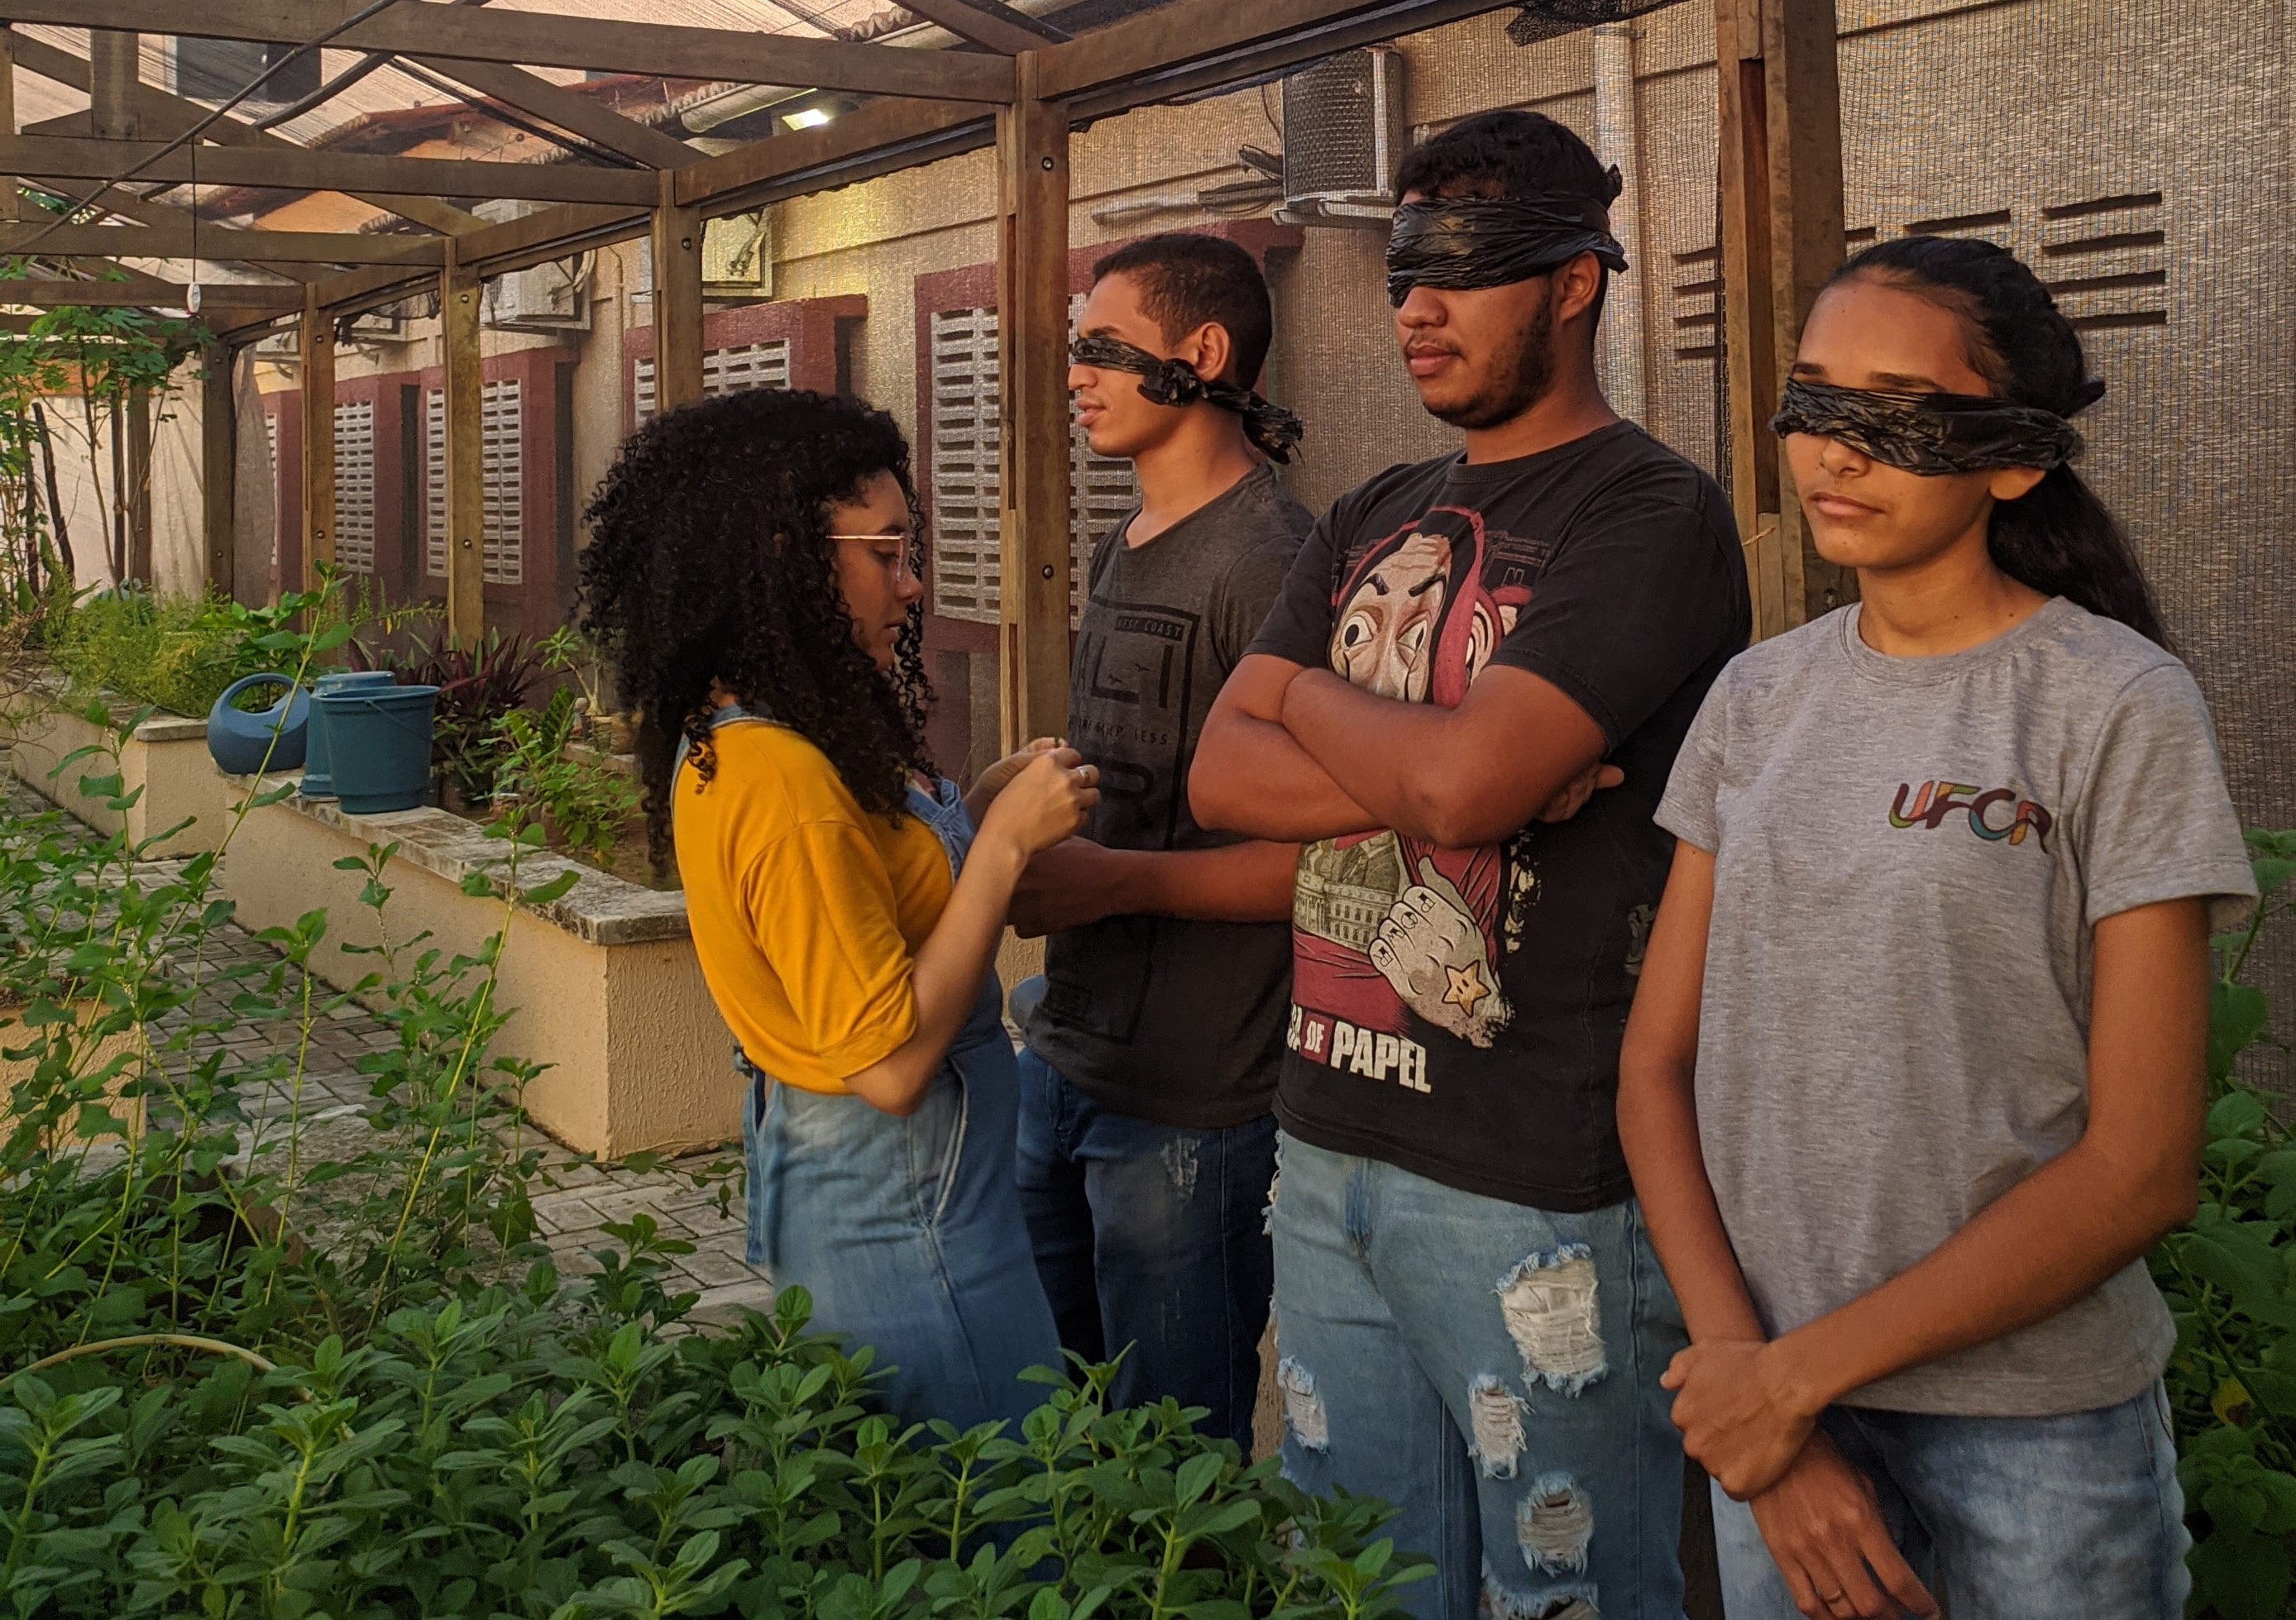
(1298, 754)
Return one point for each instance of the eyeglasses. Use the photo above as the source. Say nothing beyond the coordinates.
(903, 561)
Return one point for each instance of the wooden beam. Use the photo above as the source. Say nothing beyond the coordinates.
(804, 160)
(677, 300)
(989, 23)
(1033, 518)
(210, 241)
(881, 137)
(577, 114)
(1802, 78)
(1128, 54)
(1743, 306)
(558, 40)
(466, 488)
(10, 201)
(166, 117)
(1780, 152)
(54, 158)
(161, 216)
(218, 470)
(317, 343)
(49, 292)
(113, 63)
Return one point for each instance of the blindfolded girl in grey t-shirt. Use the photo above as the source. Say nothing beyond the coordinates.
(1914, 1078)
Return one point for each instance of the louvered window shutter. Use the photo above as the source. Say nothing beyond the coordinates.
(724, 371)
(434, 481)
(501, 416)
(354, 487)
(966, 576)
(502, 458)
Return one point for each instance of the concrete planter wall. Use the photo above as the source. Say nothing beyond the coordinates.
(604, 982)
(167, 757)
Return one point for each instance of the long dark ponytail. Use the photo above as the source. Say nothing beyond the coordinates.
(2060, 539)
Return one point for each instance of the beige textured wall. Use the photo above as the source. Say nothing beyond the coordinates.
(638, 1056)
(166, 761)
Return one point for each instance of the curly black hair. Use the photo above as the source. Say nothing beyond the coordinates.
(708, 563)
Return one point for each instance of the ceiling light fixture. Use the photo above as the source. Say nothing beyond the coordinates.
(810, 117)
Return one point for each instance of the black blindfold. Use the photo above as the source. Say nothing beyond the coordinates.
(1930, 433)
(1463, 243)
(1174, 382)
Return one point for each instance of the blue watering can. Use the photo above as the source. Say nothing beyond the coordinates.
(242, 743)
(318, 758)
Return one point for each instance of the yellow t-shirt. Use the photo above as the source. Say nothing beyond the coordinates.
(807, 910)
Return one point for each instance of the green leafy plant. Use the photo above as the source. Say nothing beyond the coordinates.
(583, 800)
(2230, 1279)
(248, 1370)
(178, 654)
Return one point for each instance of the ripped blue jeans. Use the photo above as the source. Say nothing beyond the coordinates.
(1493, 1370)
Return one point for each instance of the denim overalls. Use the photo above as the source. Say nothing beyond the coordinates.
(907, 1231)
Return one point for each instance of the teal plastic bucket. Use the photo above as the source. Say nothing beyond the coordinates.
(318, 780)
(378, 746)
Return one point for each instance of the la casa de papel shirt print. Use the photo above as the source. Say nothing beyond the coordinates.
(1457, 1012)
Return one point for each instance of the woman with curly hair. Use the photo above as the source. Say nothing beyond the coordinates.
(753, 574)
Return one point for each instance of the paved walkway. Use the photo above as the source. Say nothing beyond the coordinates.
(697, 1199)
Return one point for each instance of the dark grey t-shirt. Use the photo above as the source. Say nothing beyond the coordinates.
(1910, 855)
(1177, 1022)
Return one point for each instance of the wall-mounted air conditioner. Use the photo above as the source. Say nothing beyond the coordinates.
(1344, 136)
(737, 256)
(554, 296)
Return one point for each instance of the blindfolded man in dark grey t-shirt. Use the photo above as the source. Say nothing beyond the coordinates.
(1146, 1142)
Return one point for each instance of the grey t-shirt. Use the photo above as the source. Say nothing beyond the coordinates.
(1174, 1021)
(1910, 856)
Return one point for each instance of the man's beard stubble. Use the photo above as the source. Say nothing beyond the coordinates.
(1520, 379)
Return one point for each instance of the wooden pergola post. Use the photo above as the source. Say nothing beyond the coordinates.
(218, 470)
(318, 346)
(1780, 162)
(1032, 301)
(466, 483)
(677, 300)
(139, 485)
(8, 194)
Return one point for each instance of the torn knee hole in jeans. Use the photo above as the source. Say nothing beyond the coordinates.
(1267, 1213)
(1574, 1601)
(1303, 1408)
(1549, 1304)
(1555, 1525)
(1494, 1417)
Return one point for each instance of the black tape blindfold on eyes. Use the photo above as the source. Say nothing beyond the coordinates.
(1174, 382)
(1464, 242)
(1930, 434)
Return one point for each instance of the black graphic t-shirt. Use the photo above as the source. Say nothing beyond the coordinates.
(1457, 1012)
(1174, 1021)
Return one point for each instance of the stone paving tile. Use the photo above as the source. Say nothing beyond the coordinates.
(573, 1202)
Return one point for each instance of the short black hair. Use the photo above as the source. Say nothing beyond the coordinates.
(1189, 279)
(1510, 153)
(1507, 154)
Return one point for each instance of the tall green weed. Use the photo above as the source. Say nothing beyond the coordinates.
(241, 1377)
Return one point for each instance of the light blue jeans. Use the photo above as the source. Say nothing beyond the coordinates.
(907, 1232)
(2071, 1518)
(1492, 1370)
